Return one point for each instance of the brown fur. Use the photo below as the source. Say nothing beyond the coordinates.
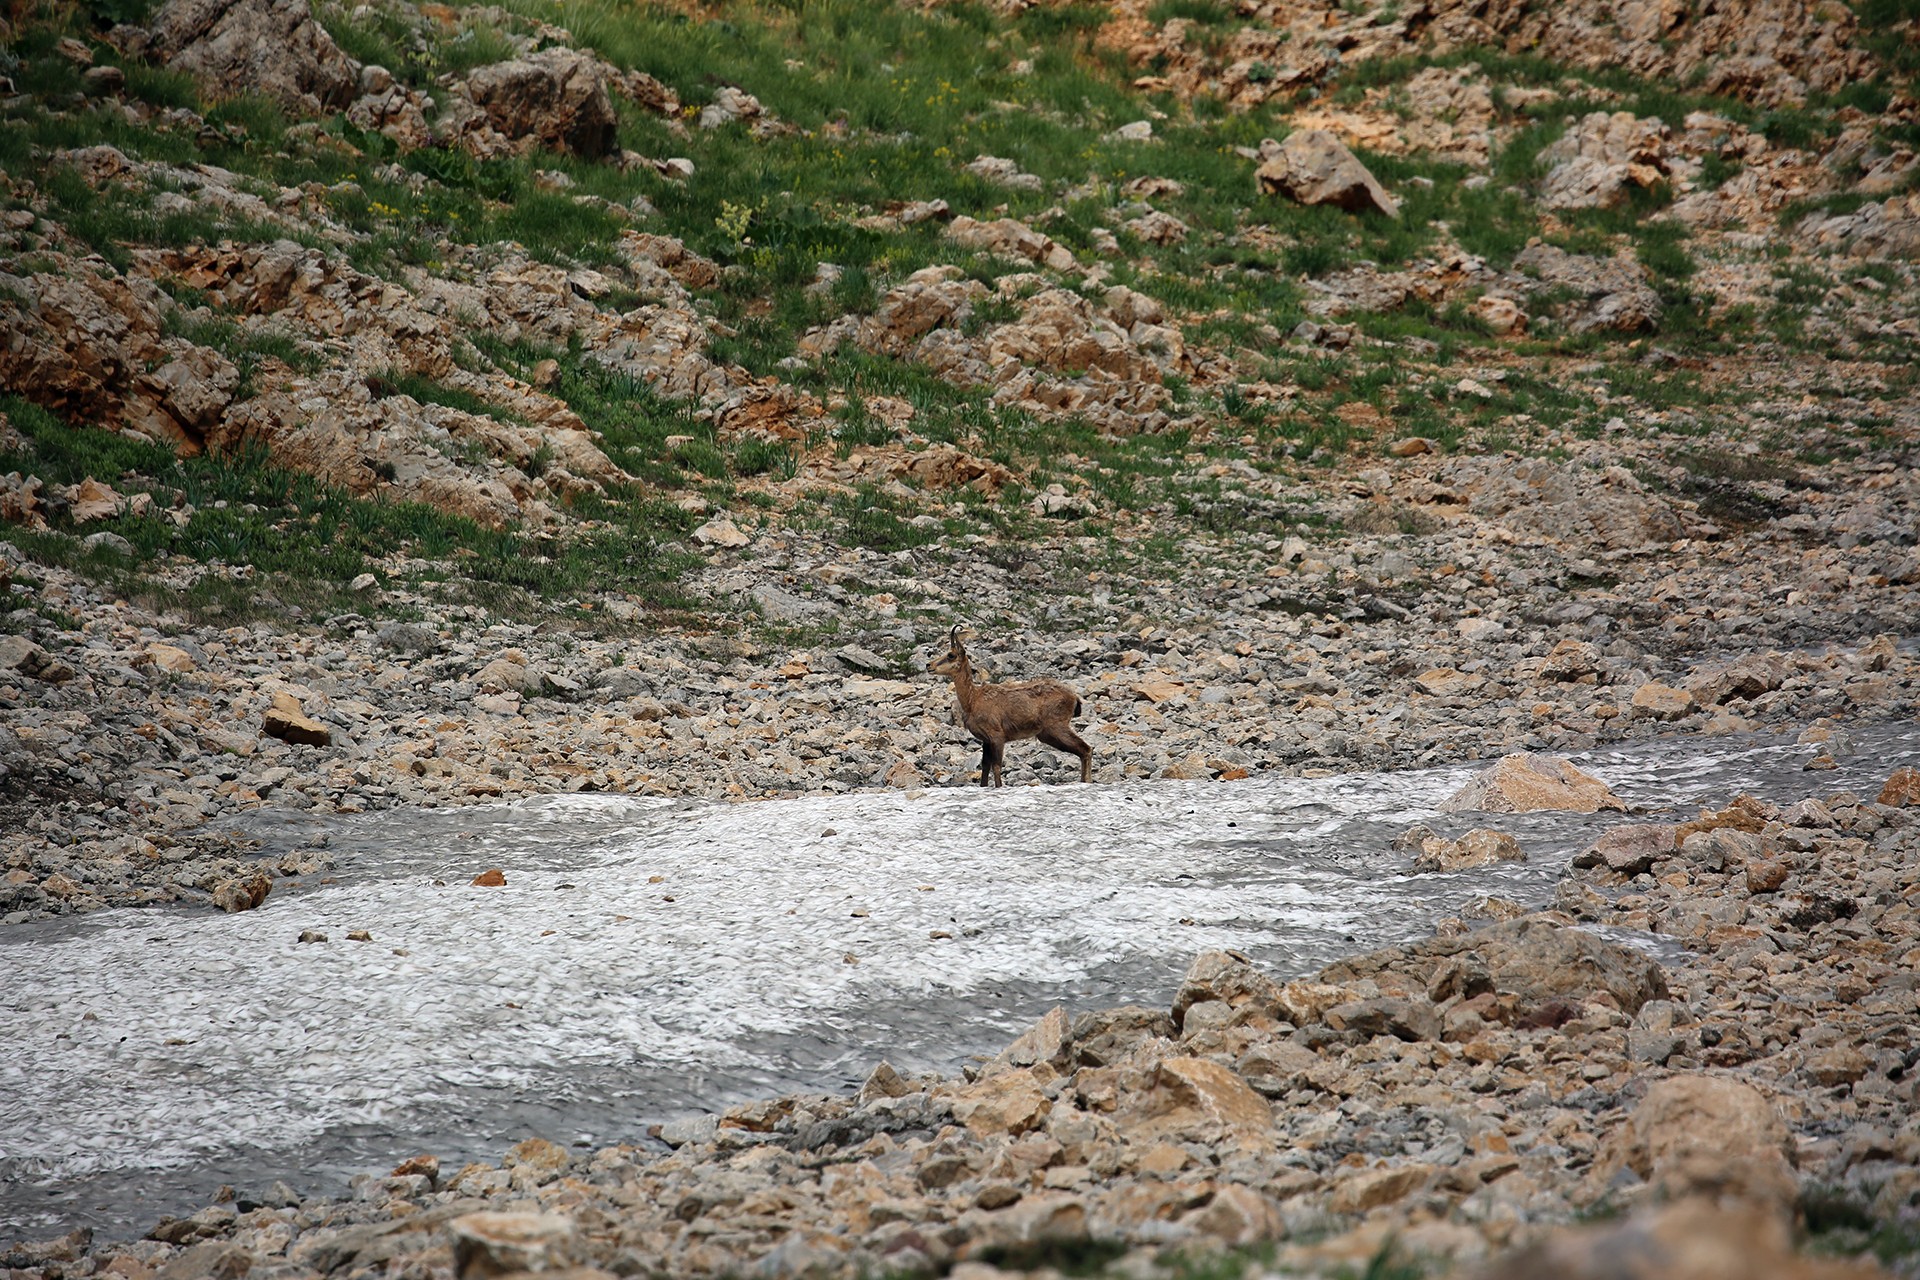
(996, 714)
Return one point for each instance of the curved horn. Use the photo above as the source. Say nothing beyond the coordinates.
(953, 636)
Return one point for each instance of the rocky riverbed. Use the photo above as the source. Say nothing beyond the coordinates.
(1449, 1104)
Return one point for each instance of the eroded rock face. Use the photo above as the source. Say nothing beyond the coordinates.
(1612, 293)
(1606, 509)
(273, 47)
(89, 346)
(556, 98)
(1601, 158)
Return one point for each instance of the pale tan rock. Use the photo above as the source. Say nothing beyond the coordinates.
(1314, 167)
(169, 657)
(1010, 1103)
(1044, 1041)
(1527, 782)
(1202, 1100)
(287, 720)
(1445, 682)
(721, 532)
(1237, 1216)
(1656, 701)
(1477, 848)
(1692, 1240)
(498, 1244)
(1705, 1135)
(242, 893)
(91, 500)
(1372, 1188)
(1601, 157)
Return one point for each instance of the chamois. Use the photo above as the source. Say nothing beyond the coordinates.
(996, 714)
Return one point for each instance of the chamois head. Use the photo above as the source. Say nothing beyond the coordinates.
(949, 662)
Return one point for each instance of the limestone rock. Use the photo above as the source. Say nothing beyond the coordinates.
(287, 720)
(1478, 848)
(271, 47)
(1202, 1099)
(1692, 1240)
(1656, 701)
(242, 893)
(1630, 850)
(556, 98)
(1610, 293)
(1533, 959)
(1314, 167)
(494, 1244)
(1606, 508)
(721, 532)
(1527, 782)
(1600, 158)
(1705, 1135)
(1228, 978)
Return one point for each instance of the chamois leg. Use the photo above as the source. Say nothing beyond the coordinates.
(1070, 742)
(991, 755)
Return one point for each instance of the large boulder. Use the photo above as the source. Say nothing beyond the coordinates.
(1533, 959)
(1705, 1135)
(1526, 782)
(556, 98)
(1692, 1240)
(1314, 167)
(271, 47)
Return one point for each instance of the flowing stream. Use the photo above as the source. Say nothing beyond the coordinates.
(648, 960)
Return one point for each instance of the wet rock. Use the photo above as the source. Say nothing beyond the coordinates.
(492, 878)
(1527, 782)
(1477, 848)
(1628, 851)
(1313, 167)
(242, 893)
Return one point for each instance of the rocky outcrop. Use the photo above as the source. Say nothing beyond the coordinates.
(1062, 353)
(90, 346)
(271, 47)
(1601, 158)
(556, 98)
(1609, 293)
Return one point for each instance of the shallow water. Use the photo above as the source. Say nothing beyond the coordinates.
(648, 959)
